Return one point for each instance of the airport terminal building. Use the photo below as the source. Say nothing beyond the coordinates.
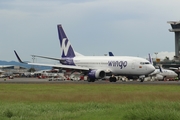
(176, 29)
(12, 69)
(175, 63)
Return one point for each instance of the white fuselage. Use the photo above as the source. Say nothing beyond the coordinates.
(158, 75)
(121, 65)
(168, 73)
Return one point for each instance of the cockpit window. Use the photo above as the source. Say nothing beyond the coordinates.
(142, 63)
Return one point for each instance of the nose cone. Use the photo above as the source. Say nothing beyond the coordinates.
(175, 74)
(151, 69)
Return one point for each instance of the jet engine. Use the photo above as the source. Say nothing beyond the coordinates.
(93, 74)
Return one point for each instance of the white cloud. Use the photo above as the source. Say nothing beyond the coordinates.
(125, 27)
(163, 54)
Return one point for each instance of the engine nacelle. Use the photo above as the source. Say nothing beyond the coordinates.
(93, 74)
(159, 77)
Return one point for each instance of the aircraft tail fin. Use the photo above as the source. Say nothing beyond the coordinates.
(150, 59)
(111, 54)
(160, 69)
(66, 47)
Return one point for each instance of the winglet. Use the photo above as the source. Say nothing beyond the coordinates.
(111, 54)
(19, 59)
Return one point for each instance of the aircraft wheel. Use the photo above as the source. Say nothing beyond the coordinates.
(115, 80)
(110, 79)
(164, 78)
(91, 80)
(142, 79)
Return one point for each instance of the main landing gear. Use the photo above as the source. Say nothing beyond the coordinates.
(90, 80)
(141, 79)
(112, 79)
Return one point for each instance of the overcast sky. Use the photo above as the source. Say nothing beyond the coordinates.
(94, 27)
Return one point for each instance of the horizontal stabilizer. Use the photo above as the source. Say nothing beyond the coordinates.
(51, 58)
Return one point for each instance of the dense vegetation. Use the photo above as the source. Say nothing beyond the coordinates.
(89, 101)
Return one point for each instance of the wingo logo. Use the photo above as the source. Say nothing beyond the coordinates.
(121, 64)
(65, 48)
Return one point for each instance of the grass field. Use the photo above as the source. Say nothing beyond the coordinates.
(89, 101)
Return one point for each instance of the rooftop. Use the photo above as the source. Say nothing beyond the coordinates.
(173, 22)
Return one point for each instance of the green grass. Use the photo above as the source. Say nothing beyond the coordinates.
(89, 101)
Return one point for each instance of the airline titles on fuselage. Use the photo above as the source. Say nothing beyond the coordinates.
(121, 64)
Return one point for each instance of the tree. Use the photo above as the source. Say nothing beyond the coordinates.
(166, 58)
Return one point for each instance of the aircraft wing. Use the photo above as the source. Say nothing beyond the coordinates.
(57, 65)
(52, 65)
(61, 66)
(5, 66)
(173, 68)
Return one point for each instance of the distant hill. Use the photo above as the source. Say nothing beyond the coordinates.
(23, 65)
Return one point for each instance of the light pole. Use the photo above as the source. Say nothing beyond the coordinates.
(33, 58)
(156, 54)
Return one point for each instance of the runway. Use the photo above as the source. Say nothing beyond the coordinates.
(46, 81)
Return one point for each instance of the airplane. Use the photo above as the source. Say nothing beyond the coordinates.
(161, 73)
(96, 67)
